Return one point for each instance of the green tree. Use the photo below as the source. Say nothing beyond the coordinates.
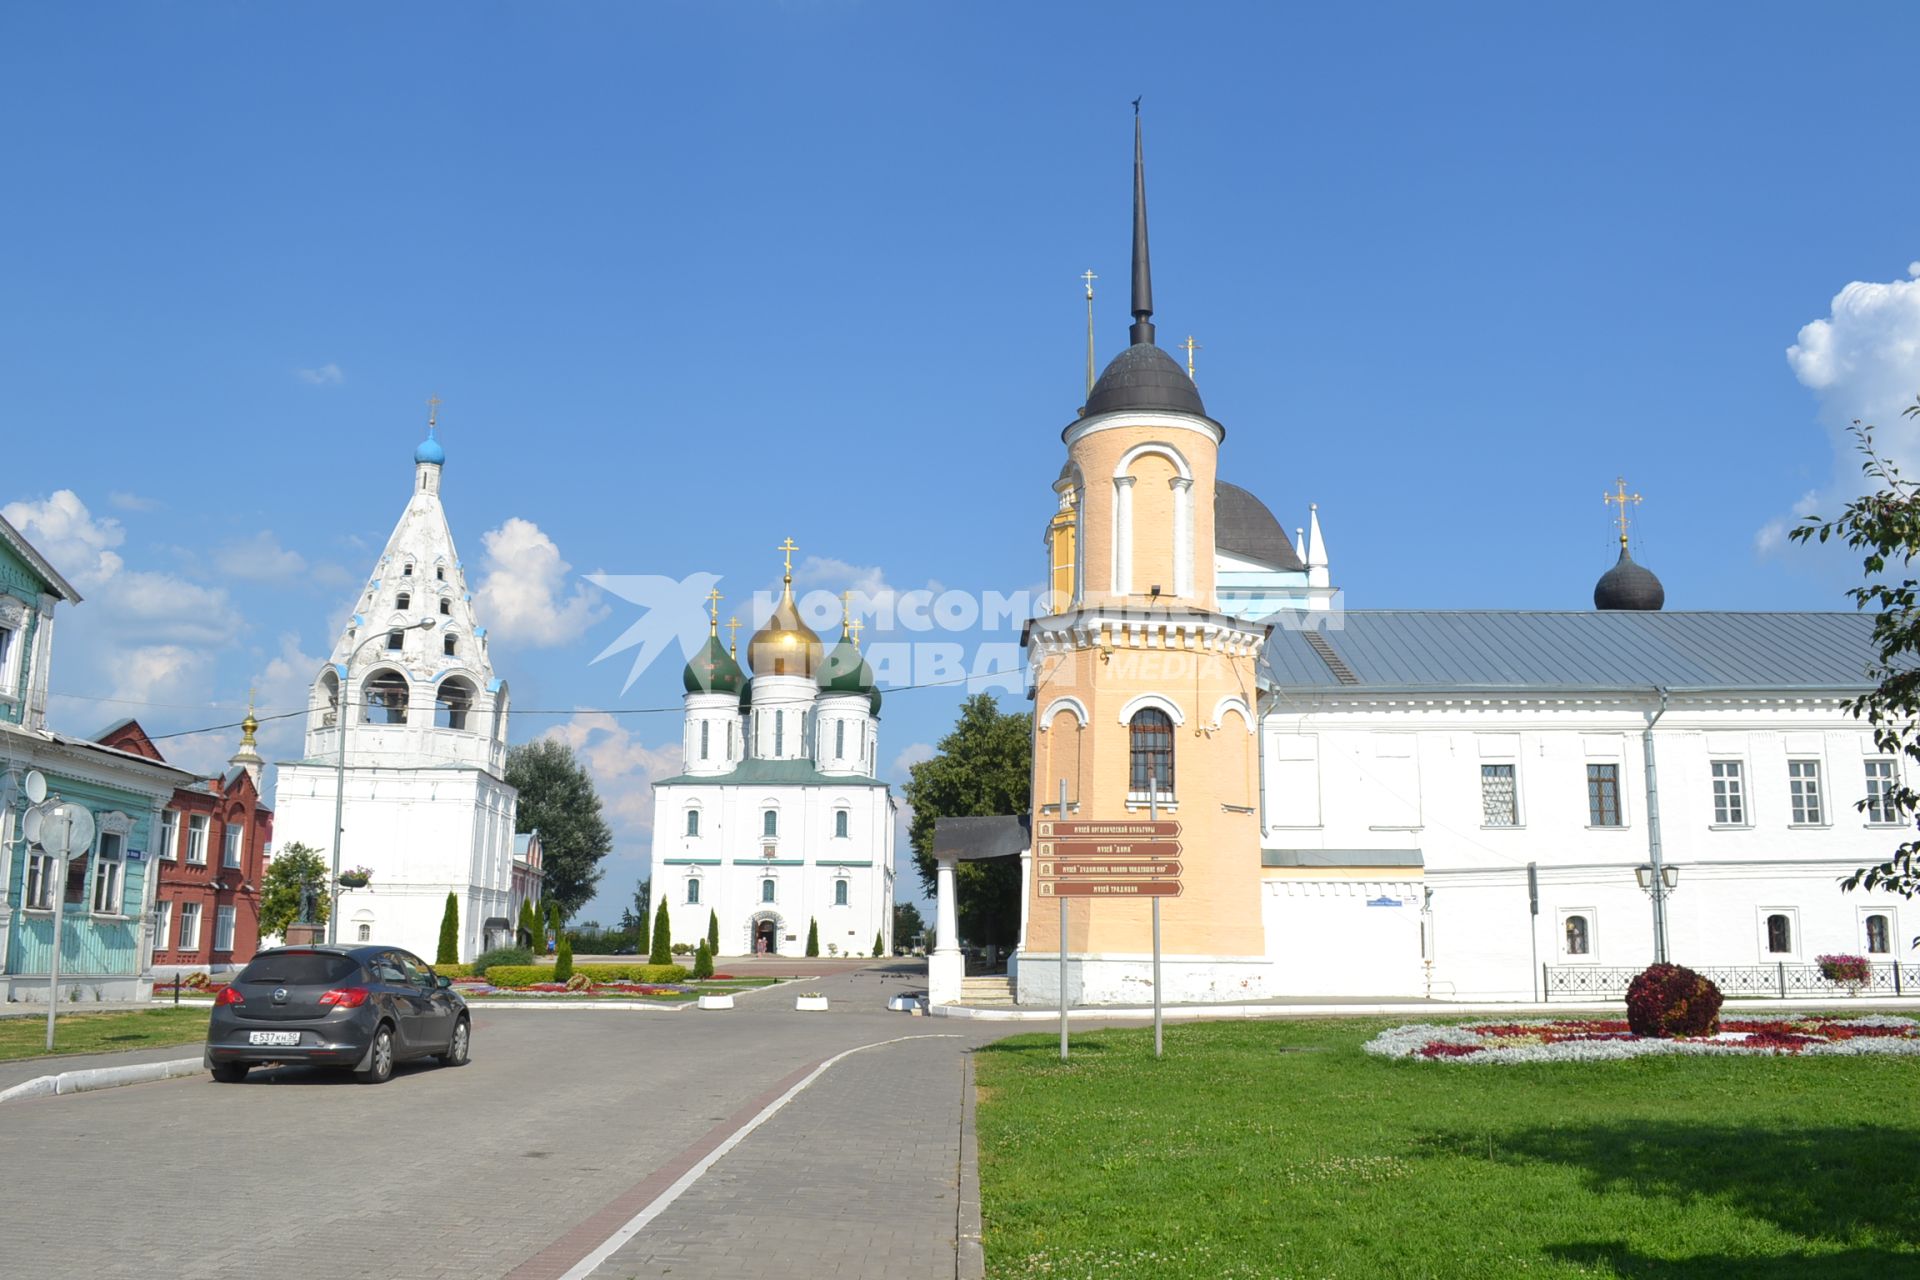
(984, 767)
(879, 944)
(449, 952)
(296, 876)
(703, 961)
(813, 937)
(713, 932)
(563, 960)
(525, 925)
(557, 799)
(907, 924)
(555, 918)
(662, 952)
(643, 907)
(537, 928)
(1885, 526)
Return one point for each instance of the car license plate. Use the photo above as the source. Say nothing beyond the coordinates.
(273, 1037)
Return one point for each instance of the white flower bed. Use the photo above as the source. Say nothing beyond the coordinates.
(1582, 1040)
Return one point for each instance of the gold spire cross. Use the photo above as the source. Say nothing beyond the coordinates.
(713, 611)
(846, 610)
(1089, 277)
(788, 547)
(733, 642)
(1190, 346)
(856, 627)
(1621, 497)
(433, 411)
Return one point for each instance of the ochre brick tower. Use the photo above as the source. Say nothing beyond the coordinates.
(1138, 677)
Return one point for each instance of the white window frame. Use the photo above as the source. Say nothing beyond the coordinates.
(1799, 812)
(693, 892)
(225, 921)
(42, 869)
(232, 839)
(1560, 917)
(766, 897)
(365, 932)
(1892, 953)
(199, 827)
(691, 828)
(843, 823)
(1514, 767)
(1794, 940)
(163, 925)
(1619, 768)
(169, 834)
(109, 889)
(1878, 786)
(10, 683)
(842, 891)
(706, 727)
(839, 739)
(1736, 793)
(189, 936)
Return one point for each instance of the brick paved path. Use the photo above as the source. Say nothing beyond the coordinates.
(477, 1171)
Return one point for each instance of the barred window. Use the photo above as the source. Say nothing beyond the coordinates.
(1498, 805)
(1603, 795)
(1803, 782)
(1151, 732)
(1729, 794)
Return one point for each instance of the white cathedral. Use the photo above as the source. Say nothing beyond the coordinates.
(778, 824)
(426, 807)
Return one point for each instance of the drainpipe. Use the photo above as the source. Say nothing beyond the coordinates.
(1659, 892)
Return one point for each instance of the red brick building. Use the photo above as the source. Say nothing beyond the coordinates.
(210, 850)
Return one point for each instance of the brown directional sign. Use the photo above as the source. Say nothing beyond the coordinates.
(1109, 848)
(1109, 868)
(1109, 888)
(1128, 830)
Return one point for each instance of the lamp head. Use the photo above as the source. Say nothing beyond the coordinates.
(1644, 874)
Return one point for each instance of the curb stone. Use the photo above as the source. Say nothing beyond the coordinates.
(970, 1257)
(92, 1078)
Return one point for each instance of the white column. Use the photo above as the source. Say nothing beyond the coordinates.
(1182, 536)
(1123, 535)
(1026, 887)
(946, 967)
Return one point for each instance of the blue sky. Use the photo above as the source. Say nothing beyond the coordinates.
(691, 278)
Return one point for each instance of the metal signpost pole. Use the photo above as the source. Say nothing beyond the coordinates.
(66, 826)
(1153, 815)
(1063, 942)
(53, 965)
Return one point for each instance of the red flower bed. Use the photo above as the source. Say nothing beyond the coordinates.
(1438, 1050)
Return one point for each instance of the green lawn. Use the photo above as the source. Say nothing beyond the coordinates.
(1280, 1149)
(102, 1032)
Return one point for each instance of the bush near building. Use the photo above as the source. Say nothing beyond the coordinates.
(1670, 1000)
(512, 976)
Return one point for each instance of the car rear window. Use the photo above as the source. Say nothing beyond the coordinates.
(299, 968)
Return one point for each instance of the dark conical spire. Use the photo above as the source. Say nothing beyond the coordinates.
(1142, 330)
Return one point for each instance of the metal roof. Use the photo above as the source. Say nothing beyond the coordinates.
(981, 839)
(1243, 525)
(1511, 649)
(754, 771)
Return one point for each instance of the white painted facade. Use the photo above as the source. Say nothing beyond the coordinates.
(426, 807)
(1394, 880)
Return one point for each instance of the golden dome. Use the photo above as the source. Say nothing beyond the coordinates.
(786, 646)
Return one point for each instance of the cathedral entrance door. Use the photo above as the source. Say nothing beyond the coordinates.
(766, 938)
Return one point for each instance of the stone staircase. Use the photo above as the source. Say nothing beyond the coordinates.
(995, 991)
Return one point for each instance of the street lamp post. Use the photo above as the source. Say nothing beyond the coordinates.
(1658, 882)
(340, 774)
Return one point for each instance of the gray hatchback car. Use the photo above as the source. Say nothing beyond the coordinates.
(363, 1007)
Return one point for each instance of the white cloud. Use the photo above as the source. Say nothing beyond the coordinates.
(911, 755)
(520, 595)
(869, 580)
(133, 502)
(327, 375)
(624, 770)
(1863, 362)
(260, 558)
(65, 532)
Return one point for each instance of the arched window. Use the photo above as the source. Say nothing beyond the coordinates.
(693, 891)
(407, 571)
(1878, 940)
(769, 822)
(450, 647)
(330, 689)
(440, 572)
(451, 703)
(1151, 736)
(1779, 935)
(1579, 939)
(766, 891)
(386, 698)
(693, 822)
(446, 607)
(403, 602)
(839, 893)
(840, 823)
(366, 933)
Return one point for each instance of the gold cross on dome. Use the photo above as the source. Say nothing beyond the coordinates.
(733, 631)
(856, 627)
(1189, 346)
(433, 411)
(789, 547)
(1089, 277)
(1621, 498)
(713, 610)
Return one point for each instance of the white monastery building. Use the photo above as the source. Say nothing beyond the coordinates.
(1482, 805)
(778, 822)
(425, 808)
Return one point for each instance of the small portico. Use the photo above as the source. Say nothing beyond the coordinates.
(957, 840)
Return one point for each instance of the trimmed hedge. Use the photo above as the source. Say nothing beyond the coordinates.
(525, 975)
(454, 970)
(1669, 1000)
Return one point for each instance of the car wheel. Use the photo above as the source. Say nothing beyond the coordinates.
(379, 1068)
(230, 1072)
(456, 1054)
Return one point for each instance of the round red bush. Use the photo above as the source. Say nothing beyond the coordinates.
(1669, 1000)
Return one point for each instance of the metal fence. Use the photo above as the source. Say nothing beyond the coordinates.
(1780, 980)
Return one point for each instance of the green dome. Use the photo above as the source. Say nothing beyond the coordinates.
(746, 696)
(845, 671)
(713, 670)
(873, 704)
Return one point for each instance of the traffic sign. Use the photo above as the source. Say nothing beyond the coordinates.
(1109, 848)
(1109, 867)
(1109, 888)
(1078, 830)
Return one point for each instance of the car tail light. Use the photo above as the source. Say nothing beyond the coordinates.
(345, 997)
(229, 995)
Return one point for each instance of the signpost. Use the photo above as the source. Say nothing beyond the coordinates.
(1088, 859)
(64, 827)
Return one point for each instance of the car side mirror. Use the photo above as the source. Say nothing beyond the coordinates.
(443, 981)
